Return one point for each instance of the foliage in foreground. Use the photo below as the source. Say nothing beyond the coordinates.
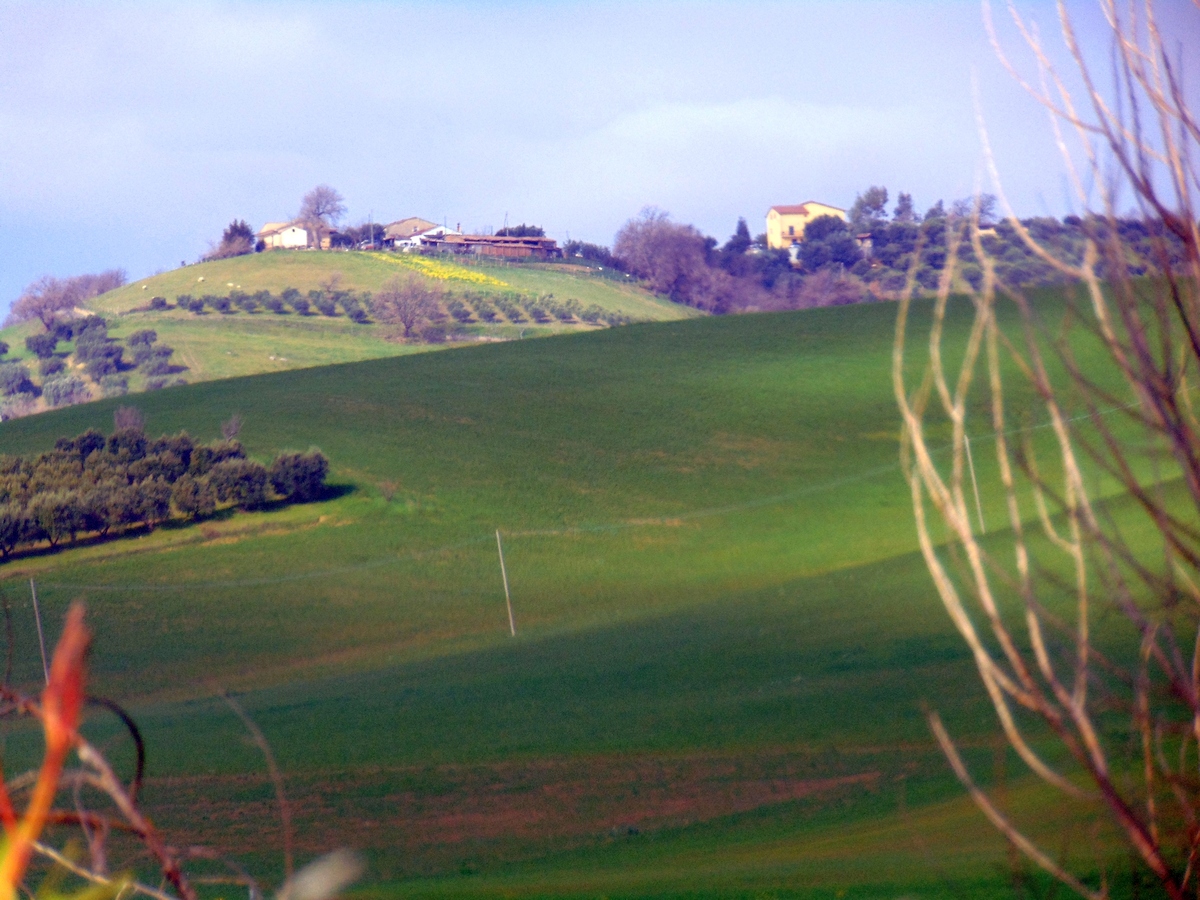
(1113, 730)
(104, 806)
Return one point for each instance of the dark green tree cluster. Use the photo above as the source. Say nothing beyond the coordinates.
(93, 484)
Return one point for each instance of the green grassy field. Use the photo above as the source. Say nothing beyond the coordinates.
(724, 634)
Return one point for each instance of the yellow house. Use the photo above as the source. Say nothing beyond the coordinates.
(786, 224)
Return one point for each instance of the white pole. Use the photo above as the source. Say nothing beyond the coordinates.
(974, 484)
(37, 615)
(512, 625)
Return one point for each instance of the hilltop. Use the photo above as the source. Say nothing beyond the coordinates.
(227, 333)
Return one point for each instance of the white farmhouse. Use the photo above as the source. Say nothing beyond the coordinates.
(283, 236)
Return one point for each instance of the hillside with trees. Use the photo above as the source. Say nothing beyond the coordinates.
(869, 257)
(238, 313)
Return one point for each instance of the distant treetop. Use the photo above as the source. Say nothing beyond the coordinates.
(522, 230)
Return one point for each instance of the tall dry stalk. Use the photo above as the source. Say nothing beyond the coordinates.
(1026, 602)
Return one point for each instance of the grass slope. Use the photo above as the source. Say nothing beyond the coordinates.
(216, 346)
(724, 632)
(306, 270)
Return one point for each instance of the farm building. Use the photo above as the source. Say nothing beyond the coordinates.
(786, 224)
(423, 238)
(405, 229)
(491, 245)
(283, 236)
(291, 236)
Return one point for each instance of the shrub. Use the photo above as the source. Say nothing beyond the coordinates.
(434, 333)
(14, 379)
(127, 444)
(355, 311)
(158, 303)
(156, 384)
(275, 305)
(159, 362)
(56, 515)
(154, 501)
(165, 464)
(220, 304)
(100, 367)
(301, 305)
(42, 345)
(205, 457)
(3, 348)
(84, 445)
(193, 497)
(51, 366)
(66, 390)
(299, 476)
(180, 444)
(12, 526)
(144, 337)
(239, 481)
(325, 305)
(120, 505)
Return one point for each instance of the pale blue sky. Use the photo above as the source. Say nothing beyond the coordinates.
(132, 133)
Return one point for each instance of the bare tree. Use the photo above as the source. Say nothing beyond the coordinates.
(321, 208)
(673, 259)
(48, 297)
(406, 301)
(331, 284)
(128, 418)
(1107, 392)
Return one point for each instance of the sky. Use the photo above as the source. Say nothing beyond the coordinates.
(131, 133)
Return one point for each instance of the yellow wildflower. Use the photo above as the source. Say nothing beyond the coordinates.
(438, 269)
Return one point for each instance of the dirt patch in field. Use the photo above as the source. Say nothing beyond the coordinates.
(434, 817)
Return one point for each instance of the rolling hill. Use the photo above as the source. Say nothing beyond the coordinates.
(533, 300)
(724, 632)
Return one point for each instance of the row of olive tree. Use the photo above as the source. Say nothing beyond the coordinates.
(102, 485)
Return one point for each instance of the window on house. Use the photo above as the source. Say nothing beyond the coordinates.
(791, 230)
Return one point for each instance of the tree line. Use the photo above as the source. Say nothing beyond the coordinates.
(868, 257)
(110, 485)
(419, 307)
